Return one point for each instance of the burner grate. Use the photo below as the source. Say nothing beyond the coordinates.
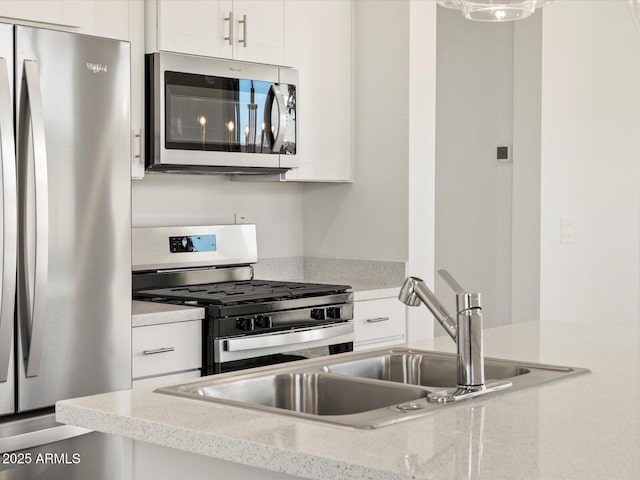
(244, 292)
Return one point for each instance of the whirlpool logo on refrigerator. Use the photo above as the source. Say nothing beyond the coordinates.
(96, 67)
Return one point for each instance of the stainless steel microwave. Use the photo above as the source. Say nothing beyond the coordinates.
(207, 115)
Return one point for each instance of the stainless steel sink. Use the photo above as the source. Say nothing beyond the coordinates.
(333, 398)
(361, 390)
(432, 369)
(313, 393)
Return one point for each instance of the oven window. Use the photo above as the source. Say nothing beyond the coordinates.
(220, 114)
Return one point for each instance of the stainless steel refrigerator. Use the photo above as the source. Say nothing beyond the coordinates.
(65, 254)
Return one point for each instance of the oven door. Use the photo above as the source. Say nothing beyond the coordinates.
(236, 353)
(219, 113)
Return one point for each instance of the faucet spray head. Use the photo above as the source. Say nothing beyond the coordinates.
(408, 293)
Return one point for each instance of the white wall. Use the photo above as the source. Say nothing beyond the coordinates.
(422, 158)
(474, 112)
(276, 208)
(590, 153)
(525, 217)
(368, 219)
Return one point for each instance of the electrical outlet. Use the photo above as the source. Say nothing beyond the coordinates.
(239, 218)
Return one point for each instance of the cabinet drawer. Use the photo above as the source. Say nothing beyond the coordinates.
(167, 348)
(381, 320)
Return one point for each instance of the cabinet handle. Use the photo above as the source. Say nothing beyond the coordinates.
(158, 350)
(377, 320)
(230, 20)
(244, 29)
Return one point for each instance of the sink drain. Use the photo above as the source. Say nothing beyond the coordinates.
(406, 407)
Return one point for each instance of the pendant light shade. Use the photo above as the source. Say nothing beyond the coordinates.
(634, 10)
(455, 4)
(495, 10)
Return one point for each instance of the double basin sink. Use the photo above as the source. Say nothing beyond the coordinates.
(361, 390)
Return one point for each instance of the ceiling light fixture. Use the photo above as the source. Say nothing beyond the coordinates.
(495, 10)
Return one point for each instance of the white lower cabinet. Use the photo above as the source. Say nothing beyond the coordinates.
(379, 323)
(167, 352)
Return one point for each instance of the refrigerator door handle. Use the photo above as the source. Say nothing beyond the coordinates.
(8, 221)
(32, 305)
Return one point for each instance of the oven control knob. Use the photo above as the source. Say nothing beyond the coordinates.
(245, 324)
(263, 321)
(333, 312)
(317, 313)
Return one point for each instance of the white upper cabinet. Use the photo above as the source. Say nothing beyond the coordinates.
(259, 31)
(197, 27)
(318, 45)
(93, 17)
(101, 18)
(46, 11)
(249, 30)
(136, 37)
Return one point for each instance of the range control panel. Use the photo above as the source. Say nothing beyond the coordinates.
(192, 243)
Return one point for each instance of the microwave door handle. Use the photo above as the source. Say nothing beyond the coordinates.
(282, 117)
(33, 308)
(9, 221)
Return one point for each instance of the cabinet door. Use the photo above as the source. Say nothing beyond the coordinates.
(92, 17)
(197, 27)
(49, 11)
(99, 18)
(379, 322)
(166, 349)
(261, 37)
(136, 37)
(323, 59)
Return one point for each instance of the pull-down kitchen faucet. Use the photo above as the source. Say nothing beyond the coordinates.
(465, 330)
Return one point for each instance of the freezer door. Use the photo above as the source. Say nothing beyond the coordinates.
(8, 222)
(74, 277)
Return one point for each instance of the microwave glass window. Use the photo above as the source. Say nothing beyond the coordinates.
(225, 114)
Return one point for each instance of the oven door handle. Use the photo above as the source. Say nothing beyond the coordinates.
(256, 342)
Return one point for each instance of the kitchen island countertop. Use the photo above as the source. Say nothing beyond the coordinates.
(585, 427)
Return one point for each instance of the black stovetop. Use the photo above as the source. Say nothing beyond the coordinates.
(242, 292)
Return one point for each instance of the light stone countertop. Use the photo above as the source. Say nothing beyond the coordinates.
(585, 427)
(150, 313)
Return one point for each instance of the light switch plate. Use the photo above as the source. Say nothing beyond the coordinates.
(503, 153)
(567, 230)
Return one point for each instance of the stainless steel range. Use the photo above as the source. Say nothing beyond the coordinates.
(248, 322)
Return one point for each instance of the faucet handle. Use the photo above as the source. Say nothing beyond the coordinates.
(452, 282)
(464, 299)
